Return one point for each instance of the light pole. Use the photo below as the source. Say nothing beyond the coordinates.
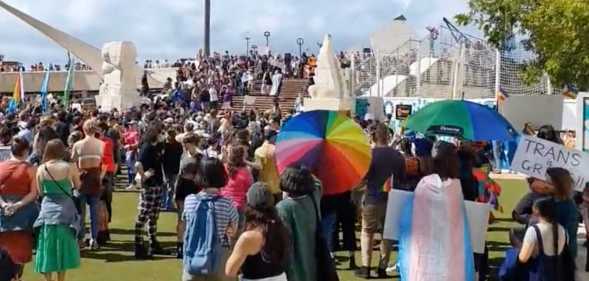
(300, 42)
(207, 24)
(267, 35)
(247, 45)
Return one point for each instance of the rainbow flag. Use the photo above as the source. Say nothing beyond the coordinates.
(17, 94)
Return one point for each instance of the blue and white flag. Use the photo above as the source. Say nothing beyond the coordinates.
(44, 91)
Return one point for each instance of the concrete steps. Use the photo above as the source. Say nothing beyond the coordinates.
(290, 91)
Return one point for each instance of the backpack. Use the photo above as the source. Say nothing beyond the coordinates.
(201, 241)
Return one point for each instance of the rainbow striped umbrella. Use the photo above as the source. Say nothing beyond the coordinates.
(329, 143)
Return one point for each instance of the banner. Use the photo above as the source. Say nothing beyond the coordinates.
(477, 213)
(534, 156)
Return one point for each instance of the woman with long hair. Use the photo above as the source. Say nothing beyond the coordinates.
(567, 214)
(18, 211)
(545, 245)
(262, 249)
(58, 221)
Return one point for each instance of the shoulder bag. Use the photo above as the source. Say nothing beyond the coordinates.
(74, 199)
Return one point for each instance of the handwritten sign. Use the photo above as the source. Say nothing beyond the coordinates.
(534, 156)
(477, 214)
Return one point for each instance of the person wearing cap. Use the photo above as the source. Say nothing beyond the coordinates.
(265, 162)
(262, 249)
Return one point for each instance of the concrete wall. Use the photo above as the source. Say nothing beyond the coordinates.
(83, 80)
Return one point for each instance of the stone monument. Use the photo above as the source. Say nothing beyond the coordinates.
(115, 64)
(118, 89)
(331, 91)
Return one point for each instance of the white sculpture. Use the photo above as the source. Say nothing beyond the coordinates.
(331, 90)
(87, 53)
(119, 87)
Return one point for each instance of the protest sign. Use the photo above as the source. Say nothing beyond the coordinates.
(477, 214)
(4, 153)
(534, 156)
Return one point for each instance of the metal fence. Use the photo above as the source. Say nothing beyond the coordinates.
(444, 65)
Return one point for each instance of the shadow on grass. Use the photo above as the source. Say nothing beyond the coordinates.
(123, 251)
(118, 231)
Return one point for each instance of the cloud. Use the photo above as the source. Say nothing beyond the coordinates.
(172, 29)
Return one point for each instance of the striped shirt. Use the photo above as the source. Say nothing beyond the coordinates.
(225, 212)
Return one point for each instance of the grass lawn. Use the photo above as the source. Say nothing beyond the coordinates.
(116, 261)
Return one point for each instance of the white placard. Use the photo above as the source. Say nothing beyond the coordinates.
(477, 214)
(534, 156)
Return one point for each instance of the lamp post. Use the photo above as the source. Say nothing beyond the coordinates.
(300, 42)
(247, 45)
(267, 35)
(207, 25)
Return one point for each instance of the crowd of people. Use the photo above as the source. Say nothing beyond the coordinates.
(40, 67)
(236, 215)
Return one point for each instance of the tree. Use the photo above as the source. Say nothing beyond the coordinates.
(557, 31)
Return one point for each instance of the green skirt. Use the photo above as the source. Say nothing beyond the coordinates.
(57, 249)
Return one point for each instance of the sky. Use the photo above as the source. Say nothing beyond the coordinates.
(170, 29)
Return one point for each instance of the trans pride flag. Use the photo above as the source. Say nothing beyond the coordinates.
(435, 238)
